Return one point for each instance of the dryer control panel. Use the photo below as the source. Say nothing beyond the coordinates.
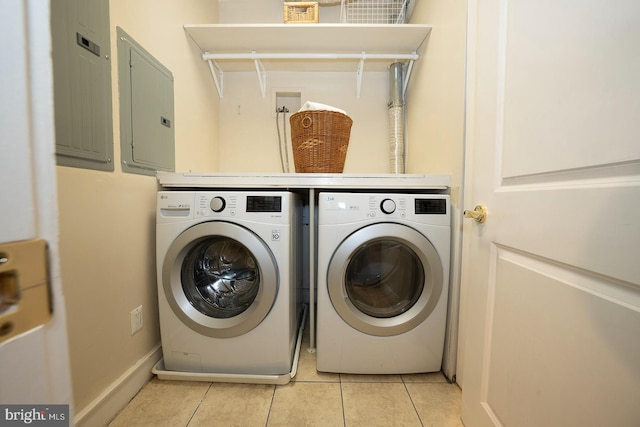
(342, 208)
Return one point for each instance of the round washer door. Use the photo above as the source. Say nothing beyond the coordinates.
(220, 279)
(385, 279)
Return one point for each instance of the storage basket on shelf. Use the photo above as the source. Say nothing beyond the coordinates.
(320, 139)
(374, 11)
(301, 12)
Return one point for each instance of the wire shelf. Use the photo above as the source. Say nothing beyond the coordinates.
(374, 11)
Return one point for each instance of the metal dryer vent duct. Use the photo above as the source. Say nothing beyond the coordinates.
(396, 118)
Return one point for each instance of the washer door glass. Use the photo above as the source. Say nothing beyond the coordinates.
(220, 277)
(385, 279)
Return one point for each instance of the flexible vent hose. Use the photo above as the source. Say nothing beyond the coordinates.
(396, 119)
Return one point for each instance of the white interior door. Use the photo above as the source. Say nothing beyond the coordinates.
(551, 281)
(34, 366)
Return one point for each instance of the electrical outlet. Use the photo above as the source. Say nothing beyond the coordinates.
(136, 319)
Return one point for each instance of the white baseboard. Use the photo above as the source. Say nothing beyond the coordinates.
(106, 406)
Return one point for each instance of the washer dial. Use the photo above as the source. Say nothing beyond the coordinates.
(388, 206)
(217, 204)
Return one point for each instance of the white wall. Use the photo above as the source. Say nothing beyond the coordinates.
(435, 97)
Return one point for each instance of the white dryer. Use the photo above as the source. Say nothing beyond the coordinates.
(383, 274)
(227, 276)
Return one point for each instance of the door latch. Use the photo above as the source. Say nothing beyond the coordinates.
(24, 287)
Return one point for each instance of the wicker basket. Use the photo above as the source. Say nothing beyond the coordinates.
(301, 12)
(320, 139)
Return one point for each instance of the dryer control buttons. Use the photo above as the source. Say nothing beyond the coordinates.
(217, 204)
(388, 206)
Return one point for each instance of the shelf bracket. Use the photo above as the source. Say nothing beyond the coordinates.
(359, 73)
(218, 76)
(217, 72)
(407, 74)
(261, 72)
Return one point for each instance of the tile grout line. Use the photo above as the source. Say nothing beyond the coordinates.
(344, 413)
(198, 406)
(273, 397)
(404, 383)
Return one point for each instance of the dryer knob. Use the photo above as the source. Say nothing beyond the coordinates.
(217, 204)
(388, 206)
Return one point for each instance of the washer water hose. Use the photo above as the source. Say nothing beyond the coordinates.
(284, 152)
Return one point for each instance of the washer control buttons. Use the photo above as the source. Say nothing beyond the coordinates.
(388, 206)
(217, 204)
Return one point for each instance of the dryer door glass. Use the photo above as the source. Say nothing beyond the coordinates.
(220, 277)
(384, 278)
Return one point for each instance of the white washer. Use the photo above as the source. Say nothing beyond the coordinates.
(227, 277)
(383, 274)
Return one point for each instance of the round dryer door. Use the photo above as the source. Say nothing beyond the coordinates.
(220, 279)
(385, 279)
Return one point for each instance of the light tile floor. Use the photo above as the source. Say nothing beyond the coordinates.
(312, 398)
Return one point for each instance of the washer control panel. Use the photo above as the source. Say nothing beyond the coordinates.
(214, 204)
(263, 207)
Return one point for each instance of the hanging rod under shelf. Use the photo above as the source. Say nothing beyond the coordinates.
(218, 74)
(286, 42)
